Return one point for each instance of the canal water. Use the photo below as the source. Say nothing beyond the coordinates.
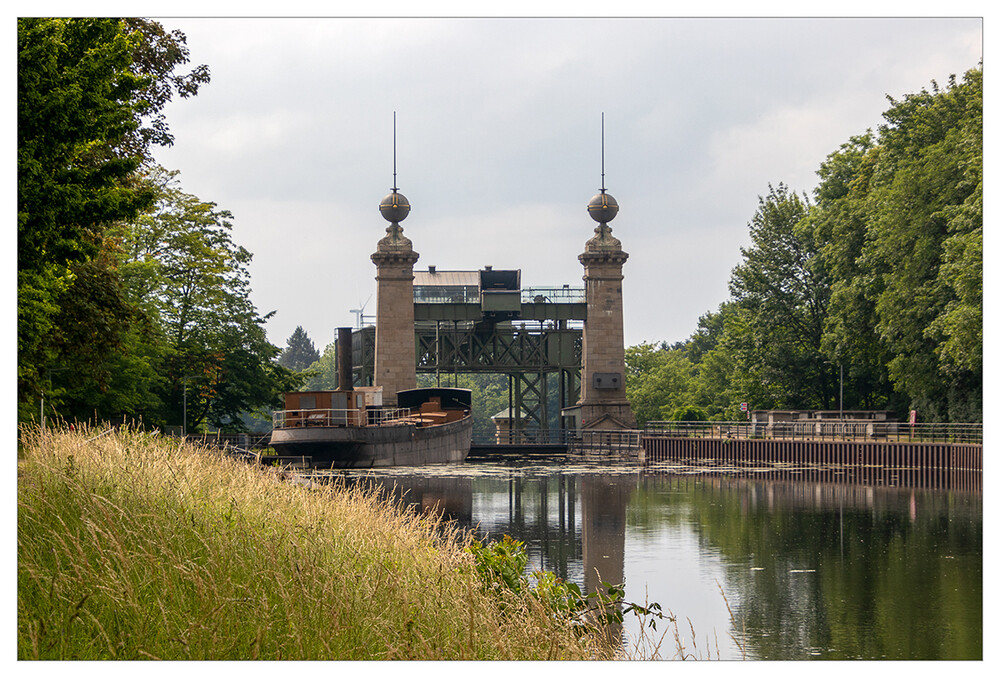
(751, 566)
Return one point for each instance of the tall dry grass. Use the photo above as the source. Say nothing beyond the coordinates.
(135, 546)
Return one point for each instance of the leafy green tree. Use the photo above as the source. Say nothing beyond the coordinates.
(184, 269)
(927, 247)
(882, 276)
(688, 413)
(840, 221)
(323, 371)
(300, 352)
(89, 96)
(108, 350)
(782, 290)
(899, 222)
(658, 380)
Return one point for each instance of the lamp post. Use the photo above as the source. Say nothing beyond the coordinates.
(841, 391)
(48, 372)
(841, 365)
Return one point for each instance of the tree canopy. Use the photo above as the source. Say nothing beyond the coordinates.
(880, 275)
(88, 100)
(300, 352)
(133, 297)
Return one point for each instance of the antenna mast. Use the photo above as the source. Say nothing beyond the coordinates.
(394, 189)
(602, 151)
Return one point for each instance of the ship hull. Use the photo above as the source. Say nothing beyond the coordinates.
(376, 446)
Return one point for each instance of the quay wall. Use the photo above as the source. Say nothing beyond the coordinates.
(925, 464)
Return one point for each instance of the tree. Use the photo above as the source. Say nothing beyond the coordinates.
(882, 276)
(183, 268)
(899, 222)
(926, 249)
(323, 371)
(781, 290)
(85, 90)
(658, 381)
(839, 222)
(300, 352)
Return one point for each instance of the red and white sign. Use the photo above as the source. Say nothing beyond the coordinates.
(743, 407)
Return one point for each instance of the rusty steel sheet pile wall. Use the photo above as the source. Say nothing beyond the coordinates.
(942, 465)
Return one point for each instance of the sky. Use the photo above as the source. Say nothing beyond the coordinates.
(498, 143)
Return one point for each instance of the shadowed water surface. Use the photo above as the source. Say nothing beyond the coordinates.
(751, 566)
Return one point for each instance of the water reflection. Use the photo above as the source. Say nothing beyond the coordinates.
(809, 569)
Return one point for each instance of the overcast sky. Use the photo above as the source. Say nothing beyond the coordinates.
(499, 143)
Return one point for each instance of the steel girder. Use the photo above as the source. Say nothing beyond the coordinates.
(527, 355)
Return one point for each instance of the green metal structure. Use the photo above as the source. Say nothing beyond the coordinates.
(483, 322)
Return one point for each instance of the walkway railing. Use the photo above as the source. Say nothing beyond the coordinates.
(609, 443)
(372, 417)
(554, 295)
(823, 429)
(541, 436)
(245, 441)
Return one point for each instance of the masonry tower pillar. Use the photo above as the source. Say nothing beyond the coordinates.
(395, 346)
(603, 404)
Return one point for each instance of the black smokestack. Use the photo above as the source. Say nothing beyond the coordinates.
(345, 355)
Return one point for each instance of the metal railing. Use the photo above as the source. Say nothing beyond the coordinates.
(554, 295)
(305, 418)
(821, 429)
(541, 436)
(246, 441)
(599, 442)
(445, 294)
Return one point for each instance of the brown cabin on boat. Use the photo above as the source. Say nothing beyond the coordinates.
(330, 408)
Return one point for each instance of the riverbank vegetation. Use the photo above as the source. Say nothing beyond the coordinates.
(136, 546)
(874, 286)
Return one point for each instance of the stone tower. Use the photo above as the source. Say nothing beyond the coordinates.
(395, 347)
(602, 383)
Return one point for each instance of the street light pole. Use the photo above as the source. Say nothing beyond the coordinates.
(842, 391)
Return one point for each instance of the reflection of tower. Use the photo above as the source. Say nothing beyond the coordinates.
(395, 348)
(602, 384)
(603, 500)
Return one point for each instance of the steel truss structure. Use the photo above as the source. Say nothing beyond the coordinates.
(537, 357)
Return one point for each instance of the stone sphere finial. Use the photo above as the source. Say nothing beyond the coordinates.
(602, 207)
(394, 207)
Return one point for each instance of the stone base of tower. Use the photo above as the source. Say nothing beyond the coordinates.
(607, 416)
(604, 416)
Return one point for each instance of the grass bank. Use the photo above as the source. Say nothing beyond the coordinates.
(134, 546)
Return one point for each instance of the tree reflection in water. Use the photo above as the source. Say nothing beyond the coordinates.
(810, 569)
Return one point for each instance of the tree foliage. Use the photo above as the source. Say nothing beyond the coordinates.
(132, 295)
(658, 380)
(88, 101)
(322, 372)
(300, 352)
(183, 268)
(881, 274)
(781, 292)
